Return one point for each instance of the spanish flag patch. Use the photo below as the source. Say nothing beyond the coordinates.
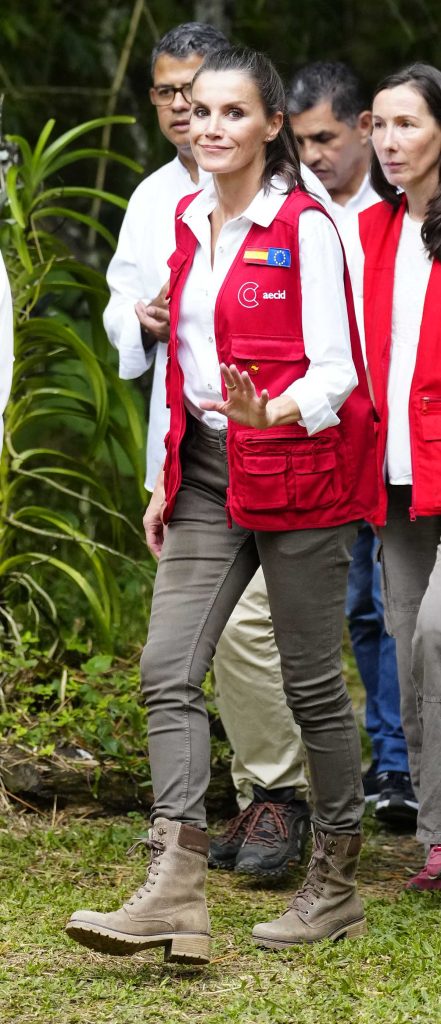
(271, 257)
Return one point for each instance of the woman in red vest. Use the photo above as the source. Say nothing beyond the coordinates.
(401, 243)
(262, 339)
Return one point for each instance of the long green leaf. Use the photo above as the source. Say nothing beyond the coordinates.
(23, 146)
(46, 330)
(89, 547)
(103, 623)
(81, 129)
(22, 249)
(86, 154)
(41, 143)
(77, 192)
(123, 393)
(68, 214)
(33, 585)
(14, 202)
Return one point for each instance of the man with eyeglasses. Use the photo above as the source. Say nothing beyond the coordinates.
(268, 764)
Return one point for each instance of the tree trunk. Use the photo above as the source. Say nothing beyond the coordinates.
(36, 781)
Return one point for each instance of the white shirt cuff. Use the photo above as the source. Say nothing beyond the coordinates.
(316, 410)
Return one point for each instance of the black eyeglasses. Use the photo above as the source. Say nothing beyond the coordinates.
(163, 95)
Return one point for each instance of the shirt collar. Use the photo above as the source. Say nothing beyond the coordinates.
(365, 187)
(204, 176)
(262, 209)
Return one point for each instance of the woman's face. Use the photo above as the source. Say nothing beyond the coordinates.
(406, 138)
(228, 126)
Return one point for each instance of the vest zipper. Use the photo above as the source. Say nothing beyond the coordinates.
(427, 401)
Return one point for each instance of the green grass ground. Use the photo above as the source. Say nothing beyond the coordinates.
(52, 865)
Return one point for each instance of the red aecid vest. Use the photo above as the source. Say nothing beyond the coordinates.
(380, 229)
(279, 479)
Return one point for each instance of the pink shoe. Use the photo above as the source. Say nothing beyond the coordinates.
(433, 863)
(430, 875)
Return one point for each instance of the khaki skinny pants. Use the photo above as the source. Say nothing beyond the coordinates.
(203, 570)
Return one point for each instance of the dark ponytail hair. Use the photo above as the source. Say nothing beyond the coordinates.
(426, 80)
(282, 155)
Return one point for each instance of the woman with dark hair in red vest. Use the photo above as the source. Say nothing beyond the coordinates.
(400, 263)
(271, 461)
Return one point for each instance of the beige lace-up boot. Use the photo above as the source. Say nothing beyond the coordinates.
(168, 910)
(327, 906)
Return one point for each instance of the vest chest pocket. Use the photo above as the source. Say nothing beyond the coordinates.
(176, 261)
(431, 418)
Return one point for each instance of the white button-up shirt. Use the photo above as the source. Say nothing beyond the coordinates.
(346, 217)
(6, 343)
(331, 375)
(139, 269)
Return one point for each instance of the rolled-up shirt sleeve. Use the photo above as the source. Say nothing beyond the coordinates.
(331, 374)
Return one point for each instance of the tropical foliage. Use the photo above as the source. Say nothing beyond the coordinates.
(73, 430)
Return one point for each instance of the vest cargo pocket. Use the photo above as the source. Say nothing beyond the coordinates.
(263, 483)
(316, 480)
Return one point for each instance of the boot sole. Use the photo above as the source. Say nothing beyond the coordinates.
(183, 947)
(221, 865)
(349, 931)
(258, 872)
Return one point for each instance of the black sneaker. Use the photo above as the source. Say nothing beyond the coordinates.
(276, 838)
(371, 784)
(225, 847)
(397, 804)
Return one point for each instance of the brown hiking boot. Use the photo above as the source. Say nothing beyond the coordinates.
(327, 906)
(168, 910)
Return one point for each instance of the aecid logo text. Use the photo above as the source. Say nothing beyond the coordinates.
(247, 294)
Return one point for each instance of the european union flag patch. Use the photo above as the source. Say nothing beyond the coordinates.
(273, 257)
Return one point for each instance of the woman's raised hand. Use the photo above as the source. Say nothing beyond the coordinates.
(243, 404)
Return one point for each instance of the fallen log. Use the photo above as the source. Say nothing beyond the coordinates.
(74, 777)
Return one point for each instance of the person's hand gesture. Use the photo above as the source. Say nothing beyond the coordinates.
(243, 404)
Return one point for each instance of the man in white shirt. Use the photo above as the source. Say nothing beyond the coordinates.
(268, 763)
(333, 130)
(6, 343)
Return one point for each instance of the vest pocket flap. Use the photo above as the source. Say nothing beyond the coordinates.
(250, 346)
(314, 462)
(431, 426)
(176, 260)
(261, 465)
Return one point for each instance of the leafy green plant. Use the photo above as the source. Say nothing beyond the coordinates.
(73, 430)
(93, 703)
(73, 700)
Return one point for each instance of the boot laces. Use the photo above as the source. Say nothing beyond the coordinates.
(313, 885)
(267, 824)
(156, 848)
(236, 825)
(260, 823)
